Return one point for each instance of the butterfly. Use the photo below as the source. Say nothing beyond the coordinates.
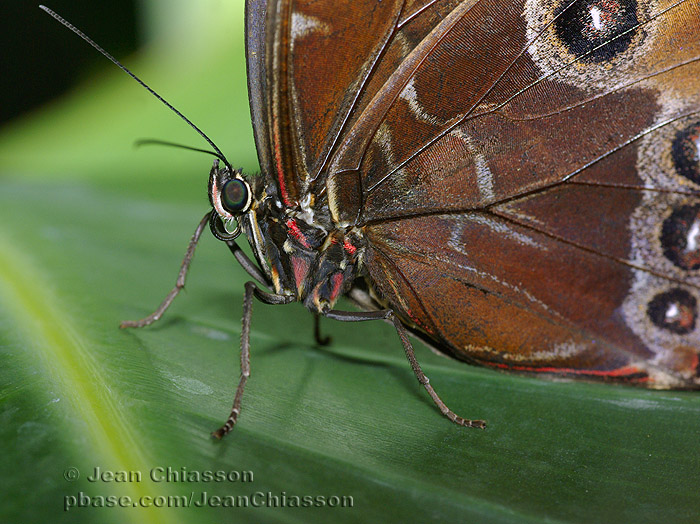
(516, 182)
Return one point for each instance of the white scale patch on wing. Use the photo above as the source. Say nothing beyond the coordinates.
(501, 229)
(411, 97)
(457, 244)
(303, 25)
(484, 175)
(562, 350)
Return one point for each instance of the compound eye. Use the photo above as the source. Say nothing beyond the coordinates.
(235, 196)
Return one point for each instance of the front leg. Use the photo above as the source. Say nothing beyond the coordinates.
(179, 284)
(251, 290)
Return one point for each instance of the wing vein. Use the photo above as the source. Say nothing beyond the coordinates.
(469, 114)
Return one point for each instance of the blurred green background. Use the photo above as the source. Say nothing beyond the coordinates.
(92, 232)
(31, 75)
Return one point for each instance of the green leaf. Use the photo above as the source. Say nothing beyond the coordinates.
(93, 232)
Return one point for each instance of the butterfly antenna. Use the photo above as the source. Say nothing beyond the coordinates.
(157, 142)
(116, 62)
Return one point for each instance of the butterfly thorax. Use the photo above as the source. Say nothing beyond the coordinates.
(302, 254)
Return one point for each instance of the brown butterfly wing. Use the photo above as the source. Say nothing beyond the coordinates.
(312, 69)
(516, 299)
(255, 18)
(309, 61)
(487, 107)
(517, 182)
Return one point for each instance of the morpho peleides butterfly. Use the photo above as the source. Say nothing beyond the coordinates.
(515, 181)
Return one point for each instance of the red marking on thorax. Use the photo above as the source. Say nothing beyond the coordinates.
(301, 269)
(337, 281)
(296, 232)
(349, 247)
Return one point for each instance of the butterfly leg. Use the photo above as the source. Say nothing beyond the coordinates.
(251, 290)
(354, 316)
(179, 284)
(321, 341)
(247, 264)
(408, 348)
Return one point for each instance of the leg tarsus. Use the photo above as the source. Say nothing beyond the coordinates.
(245, 362)
(425, 382)
(251, 290)
(179, 284)
(388, 314)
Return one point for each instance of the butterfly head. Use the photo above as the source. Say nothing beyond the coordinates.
(231, 197)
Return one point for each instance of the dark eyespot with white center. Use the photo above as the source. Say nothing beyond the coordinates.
(675, 310)
(597, 30)
(235, 196)
(680, 237)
